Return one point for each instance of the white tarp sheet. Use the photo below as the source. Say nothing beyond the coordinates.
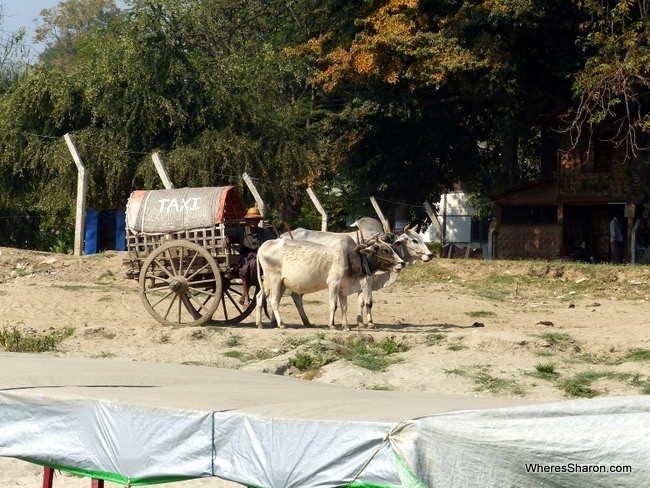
(602, 442)
(142, 423)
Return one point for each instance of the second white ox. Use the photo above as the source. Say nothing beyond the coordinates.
(306, 267)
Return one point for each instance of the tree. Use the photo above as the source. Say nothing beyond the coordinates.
(614, 83)
(433, 91)
(65, 28)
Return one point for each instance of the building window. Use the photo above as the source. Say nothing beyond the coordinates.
(528, 214)
(597, 151)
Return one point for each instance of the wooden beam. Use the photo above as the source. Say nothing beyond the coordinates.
(253, 189)
(319, 207)
(380, 214)
(82, 187)
(162, 171)
(434, 219)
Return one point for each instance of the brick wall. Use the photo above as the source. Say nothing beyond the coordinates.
(529, 242)
(577, 177)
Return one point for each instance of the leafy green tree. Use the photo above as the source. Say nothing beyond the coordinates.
(614, 83)
(66, 27)
(433, 91)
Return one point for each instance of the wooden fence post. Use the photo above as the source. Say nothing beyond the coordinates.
(162, 171)
(82, 186)
(256, 195)
(319, 207)
(384, 222)
(434, 219)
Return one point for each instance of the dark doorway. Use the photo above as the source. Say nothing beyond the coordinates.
(586, 231)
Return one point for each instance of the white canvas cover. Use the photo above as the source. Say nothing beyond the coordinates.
(142, 423)
(156, 211)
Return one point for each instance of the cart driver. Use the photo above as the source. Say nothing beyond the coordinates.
(250, 238)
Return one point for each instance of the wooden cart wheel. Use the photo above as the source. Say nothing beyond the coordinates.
(230, 311)
(180, 284)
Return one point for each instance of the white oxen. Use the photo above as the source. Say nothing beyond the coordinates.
(409, 246)
(307, 267)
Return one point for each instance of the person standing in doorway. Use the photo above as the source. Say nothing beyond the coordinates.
(616, 239)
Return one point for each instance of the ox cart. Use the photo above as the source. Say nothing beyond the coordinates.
(177, 249)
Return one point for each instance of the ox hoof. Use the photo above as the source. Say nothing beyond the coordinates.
(260, 326)
(371, 325)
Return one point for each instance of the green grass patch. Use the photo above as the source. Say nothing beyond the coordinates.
(234, 340)
(435, 339)
(389, 346)
(264, 354)
(494, 287)
(487, 382)
(104, 355)
(545, 371)
(544, 354)
(305, 361)
(456, 371)
(103, 287)
(589, 358)
(580, 385)
(431, 273)
(365, 353)
(530, 280)
(14, 340)
(164, 338)
(481, 314)
(106, 275)
(235, 355)
(297, 341)
(639, 355)
(456, 346)
(556, 339)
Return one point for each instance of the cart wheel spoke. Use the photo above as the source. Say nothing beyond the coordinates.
(191, 264)
(154, 305)
(171, 261)
(171, 303)
(231, 311)
(198, 291)
(192, 298)
(200, 270)
(162, 267)
(154, 277)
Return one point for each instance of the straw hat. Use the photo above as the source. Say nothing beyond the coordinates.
(253, 213)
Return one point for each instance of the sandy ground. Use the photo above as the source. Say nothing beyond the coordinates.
(454, 341)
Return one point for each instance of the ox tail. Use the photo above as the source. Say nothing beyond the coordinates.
(263, 288)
